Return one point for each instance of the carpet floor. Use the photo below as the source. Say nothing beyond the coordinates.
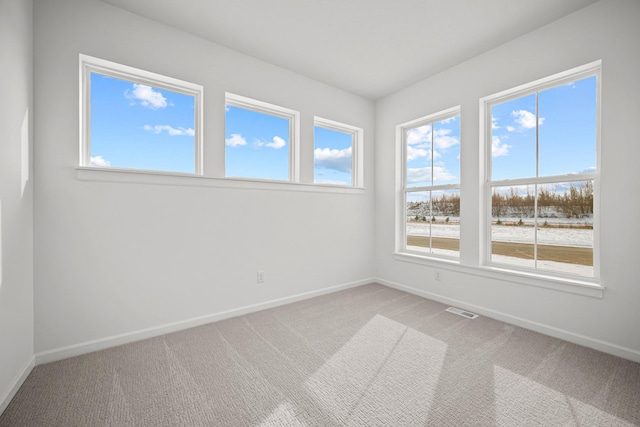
(367, 356)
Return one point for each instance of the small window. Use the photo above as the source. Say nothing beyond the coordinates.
(336, 154)
(542, 174)
(134, 119)
(431, 184)
(261, 140)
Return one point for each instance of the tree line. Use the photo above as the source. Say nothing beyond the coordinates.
(445, 205)
(574, 202)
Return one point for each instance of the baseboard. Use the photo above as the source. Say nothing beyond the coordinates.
(113, 341)
(16, 384)
(605, 347)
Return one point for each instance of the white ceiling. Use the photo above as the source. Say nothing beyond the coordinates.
(368, 47)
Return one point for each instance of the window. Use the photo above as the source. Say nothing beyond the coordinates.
(337, 153)
(134, 119)
(541, 183)
(430, 219)
(261, 140)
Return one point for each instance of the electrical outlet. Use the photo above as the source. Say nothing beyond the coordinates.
(438, 276)
(260, 277)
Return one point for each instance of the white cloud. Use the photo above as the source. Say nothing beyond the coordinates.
(526, 119)
(146, 96)
(420, 135)
(443, 140)
(419, 142)
(99, 161)
(414, 153)
(511, 129)
(276, 144)
(590, 169)
(415, 175)
(170, 130)
(236, 140)
(499, 148)
(494, 123)
(331, 158)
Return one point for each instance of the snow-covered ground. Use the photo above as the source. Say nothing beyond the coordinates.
(515, 234)
(551, 266)
(504, 233)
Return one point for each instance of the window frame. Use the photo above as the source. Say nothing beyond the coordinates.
(292, 116)
(486, 184)
(90, 64)
(357, 142)
(403, 190)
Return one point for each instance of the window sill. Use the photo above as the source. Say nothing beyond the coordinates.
(577, 286)
(133, 176)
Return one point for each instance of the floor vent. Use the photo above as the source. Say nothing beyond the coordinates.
(461, 313)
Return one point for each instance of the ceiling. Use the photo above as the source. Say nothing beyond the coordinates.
(368, 47)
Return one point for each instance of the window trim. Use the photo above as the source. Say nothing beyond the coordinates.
(402, 189)
(89, 64)
(357, 143)
(292, 116)
(486, 184)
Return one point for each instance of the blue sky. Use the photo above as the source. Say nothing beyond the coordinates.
(333, 157)
(567, 132)
(256, 145)
(438, 143)
(140, 127)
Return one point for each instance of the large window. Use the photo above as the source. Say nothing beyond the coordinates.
(261, 140)
(541, 177)
(134, 119)
(337, 153)
(431, 184)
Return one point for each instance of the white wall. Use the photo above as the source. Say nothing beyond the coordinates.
(16, 196)
(118, 258)
(608, 30)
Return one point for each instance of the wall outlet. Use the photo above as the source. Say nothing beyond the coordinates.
(437, 276)
(260, 277)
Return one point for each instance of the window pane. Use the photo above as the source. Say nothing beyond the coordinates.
(418, 152)
(332, 157)
(257, 145)
(446, 151)
(567, 128)
(445, 223)
(565, 227)
(512, 225)
(140, 127)
(513, 139)
(418, 221)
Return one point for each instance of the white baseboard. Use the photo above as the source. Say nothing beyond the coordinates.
(113, 341)
(605, 347)
(16, 384)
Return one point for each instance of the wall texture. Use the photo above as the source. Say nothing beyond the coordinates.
(609, 31)
(116, 258)
(16, 196)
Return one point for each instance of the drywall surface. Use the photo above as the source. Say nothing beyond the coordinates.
(607, 31)
(115, 258)
(16, 195)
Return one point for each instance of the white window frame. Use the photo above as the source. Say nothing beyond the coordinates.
(292, 116)
(90, 64)
(486, 184)
(401, 178)
(357, 143)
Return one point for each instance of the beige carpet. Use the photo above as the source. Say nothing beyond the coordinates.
(368, 356)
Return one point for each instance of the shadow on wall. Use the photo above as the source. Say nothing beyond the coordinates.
(24, 144)
(0, 243)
